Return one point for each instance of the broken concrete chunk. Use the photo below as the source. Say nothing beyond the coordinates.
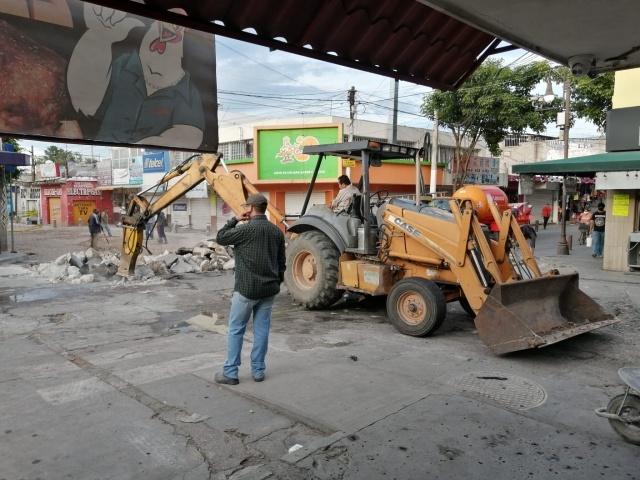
(182, 266)
(73, 272)
(87, 278)
(90, 253)
(229, 265)
(158, 267)
(62, 259)
(143, 272)
(55, 272)
(202, 251)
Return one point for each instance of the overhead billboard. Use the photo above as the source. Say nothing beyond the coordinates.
(75, 70)
(280, 157)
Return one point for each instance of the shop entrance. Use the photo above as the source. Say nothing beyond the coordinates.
(55, 213)
(81, 211)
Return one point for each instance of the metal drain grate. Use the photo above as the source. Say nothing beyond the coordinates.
(507, 390)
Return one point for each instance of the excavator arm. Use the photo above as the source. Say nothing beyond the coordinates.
(232, 187)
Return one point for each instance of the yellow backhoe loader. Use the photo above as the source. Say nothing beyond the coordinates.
(422, 257)
(232, 187)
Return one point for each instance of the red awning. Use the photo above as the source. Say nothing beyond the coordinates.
(403, 39)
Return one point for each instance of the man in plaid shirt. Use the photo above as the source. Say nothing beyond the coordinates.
(260, 264)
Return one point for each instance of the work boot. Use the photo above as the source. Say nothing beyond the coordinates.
(224, 380)
(259, 377)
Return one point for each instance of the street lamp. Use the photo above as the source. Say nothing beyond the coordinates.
(541, 101)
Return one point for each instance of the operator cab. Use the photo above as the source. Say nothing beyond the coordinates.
(355, 230)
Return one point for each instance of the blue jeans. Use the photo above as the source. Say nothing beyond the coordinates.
(241, 309)
(598, 242)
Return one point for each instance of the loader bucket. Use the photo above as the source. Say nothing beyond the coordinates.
(131, 245)
(536, 313)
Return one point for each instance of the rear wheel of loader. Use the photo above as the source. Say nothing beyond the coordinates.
(312, 270)
(416, 307)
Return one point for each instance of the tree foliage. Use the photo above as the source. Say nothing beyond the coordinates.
(58, 155)
(493, 102)
(591, 98)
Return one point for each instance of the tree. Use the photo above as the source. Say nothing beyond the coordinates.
(59, 156)
(13, 142)
(591, 98)
(493, 102)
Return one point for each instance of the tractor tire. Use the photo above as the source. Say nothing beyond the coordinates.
(312, 270)
(416, 307)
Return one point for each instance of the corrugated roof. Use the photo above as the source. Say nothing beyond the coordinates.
(589, 164)
(404, 39)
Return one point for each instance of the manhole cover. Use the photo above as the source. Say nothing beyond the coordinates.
(507, 390)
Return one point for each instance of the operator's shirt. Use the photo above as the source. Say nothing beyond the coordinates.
(128, 115)
(342, 202)
(260, 256)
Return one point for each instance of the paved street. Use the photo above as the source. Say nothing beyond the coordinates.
(105, 381)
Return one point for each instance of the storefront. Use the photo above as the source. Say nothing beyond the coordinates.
(617, 175)
(71, 202)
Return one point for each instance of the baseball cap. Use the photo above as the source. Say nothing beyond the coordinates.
(256, 199)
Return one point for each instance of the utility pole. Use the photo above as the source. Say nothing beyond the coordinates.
(351, 97)
(394, 123)
(563, 246)
(33, 166)
(434, 155)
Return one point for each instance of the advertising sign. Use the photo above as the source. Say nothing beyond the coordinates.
(86, 72)
(483, 171)
(48, 170)
(280, 154)
(82, 189)
(121, 176)
(104, 174)
(199, 191)
(135, 171)
(155, 161)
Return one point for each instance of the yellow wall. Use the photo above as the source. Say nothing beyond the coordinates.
(626, 92)
(616, 233)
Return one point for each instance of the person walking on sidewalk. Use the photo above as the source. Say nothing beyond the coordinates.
(597, 230)
(161, 222)
(584, 225)
(94, 227)
(104, 223)
(260, 265)
(546, 213)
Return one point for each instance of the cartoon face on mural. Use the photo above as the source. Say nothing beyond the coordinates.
(106, 75)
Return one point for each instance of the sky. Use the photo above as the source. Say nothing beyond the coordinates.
(249, 76)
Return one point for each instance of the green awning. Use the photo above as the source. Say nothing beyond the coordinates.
(584, 166)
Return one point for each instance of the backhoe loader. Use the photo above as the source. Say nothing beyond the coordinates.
(422, 257)
(232, 187)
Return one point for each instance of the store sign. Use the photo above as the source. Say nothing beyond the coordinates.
(52, 192)
(89, 73)
(104, 173)
(121, 176)
(481, 171)
(82, 189)
(135, 171)
(156, 161)
(199, 191)
(179, 207)
(281, 157)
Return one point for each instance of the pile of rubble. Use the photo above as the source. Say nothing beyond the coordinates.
(91, 265)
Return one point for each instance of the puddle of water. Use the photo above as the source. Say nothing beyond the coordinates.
(35, 295)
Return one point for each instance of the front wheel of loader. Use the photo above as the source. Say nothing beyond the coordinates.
(312, 270)
(416, 307)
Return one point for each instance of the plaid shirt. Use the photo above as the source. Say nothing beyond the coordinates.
(259, 253)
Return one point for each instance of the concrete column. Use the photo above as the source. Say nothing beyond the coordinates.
(617, 230)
